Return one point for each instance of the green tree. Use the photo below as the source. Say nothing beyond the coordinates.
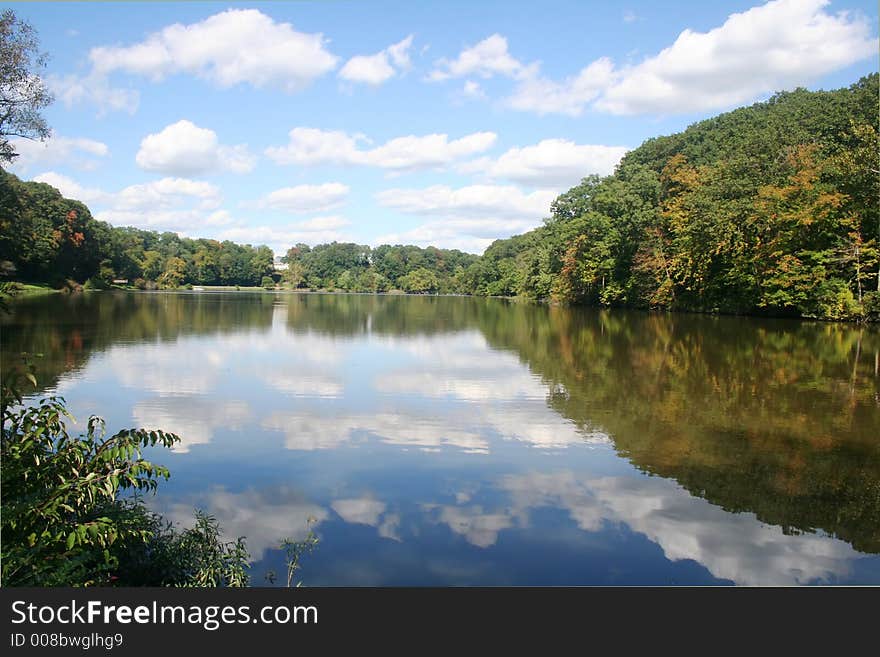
(173, 275)
(23, 94)
(420, 281)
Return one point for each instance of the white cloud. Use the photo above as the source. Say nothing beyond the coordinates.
(629, 16)
(185, 149)
(472, 89)
(551, 163)
(378, 68)
(307, 198)
(776, 46)
(167, 193)
(310, 146)
(318, 230)
(233, 47)
(543, 96)
(472, 202)
(468, 218)
(78, 152)
(176, 204)
(433, 150)
(442, 236)
(485, 59)
(323, 223)
(74, 90)
(70, 188)
(315, 146)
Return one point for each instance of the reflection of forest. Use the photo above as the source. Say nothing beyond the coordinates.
(68, 328)
(779, 418)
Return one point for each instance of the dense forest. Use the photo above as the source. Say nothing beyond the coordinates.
(50, 239)
(768, 209)
(771, 209)
(47, 238)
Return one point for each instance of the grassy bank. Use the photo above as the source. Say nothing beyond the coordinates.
(29, 289)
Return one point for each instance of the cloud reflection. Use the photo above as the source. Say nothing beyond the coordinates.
(194, 419)
(312, 431)
(732, 546)
(264, 517)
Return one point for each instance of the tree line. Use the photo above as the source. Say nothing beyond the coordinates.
(358, 268)
(47, 238)
(768, 209)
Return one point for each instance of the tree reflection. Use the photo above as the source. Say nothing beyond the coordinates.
(779, 418)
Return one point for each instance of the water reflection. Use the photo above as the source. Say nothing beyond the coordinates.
(474, 441)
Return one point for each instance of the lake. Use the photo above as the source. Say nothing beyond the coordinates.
(464, 441)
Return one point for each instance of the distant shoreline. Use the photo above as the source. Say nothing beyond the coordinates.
(30, 289)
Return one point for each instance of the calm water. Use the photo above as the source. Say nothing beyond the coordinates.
(475, 441)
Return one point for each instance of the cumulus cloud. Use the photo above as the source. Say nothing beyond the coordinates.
(544, 96)
(176, 204)
(69, 188)
(472, 90)
(317, 230)
(75, 90)
(307, 198)
(474, 202)
(308, 146)
(485, 59)
(237, 46)
(779, 45)
(380, 67)
(77, 152)
(551, 163)
(776, 46)
(185, 149)
(467, 218)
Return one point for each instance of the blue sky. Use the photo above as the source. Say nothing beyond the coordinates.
(450, 123)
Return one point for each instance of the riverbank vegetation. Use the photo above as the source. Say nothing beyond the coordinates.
(73, 513)
(768, 209)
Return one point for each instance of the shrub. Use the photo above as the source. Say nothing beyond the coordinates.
(66, 522)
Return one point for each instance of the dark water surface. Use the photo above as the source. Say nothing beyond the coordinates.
(460, 441)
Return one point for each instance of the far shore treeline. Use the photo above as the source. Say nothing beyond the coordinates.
(768, 209)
